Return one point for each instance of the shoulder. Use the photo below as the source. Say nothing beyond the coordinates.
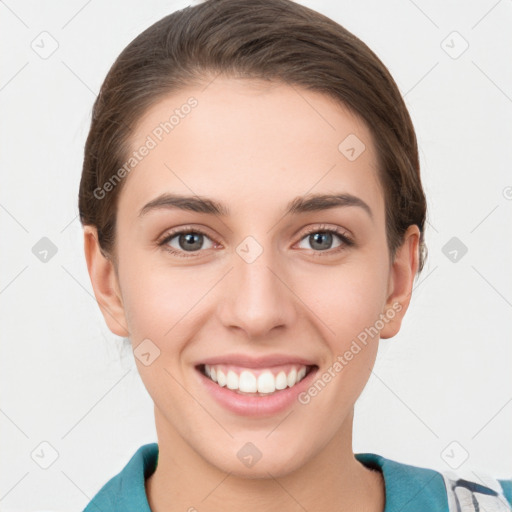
(126, 490)
(413, 488)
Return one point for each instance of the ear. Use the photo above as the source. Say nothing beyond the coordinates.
(401, 279)
(105, 283)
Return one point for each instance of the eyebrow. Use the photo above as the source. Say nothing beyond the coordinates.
(301, 204)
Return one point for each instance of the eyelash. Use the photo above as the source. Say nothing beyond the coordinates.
(346, 240)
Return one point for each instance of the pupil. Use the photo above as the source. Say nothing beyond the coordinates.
(317, 239)
(188, 239)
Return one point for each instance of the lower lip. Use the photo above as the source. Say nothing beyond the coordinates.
(245, 405)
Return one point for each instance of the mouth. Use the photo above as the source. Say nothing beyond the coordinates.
(256, 382)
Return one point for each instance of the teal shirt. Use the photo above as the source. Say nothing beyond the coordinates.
(408, 488)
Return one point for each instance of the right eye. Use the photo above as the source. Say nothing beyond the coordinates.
(184, 241)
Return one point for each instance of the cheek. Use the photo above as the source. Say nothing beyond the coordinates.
(162, 305)
(156, 302)
(346, 298)
(348, 310)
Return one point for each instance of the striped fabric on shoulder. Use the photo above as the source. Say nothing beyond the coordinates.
(480, 493)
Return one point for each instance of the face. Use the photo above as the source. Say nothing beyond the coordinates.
(276, 265)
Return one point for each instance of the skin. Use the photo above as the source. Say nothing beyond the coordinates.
(254, 146)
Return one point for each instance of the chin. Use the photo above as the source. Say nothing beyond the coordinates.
(250, 462)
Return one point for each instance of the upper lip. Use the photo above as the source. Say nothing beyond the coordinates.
(256, 362)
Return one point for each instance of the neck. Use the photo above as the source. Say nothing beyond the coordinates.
(333, 480)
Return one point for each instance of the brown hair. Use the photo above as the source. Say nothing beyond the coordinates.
(277, 40)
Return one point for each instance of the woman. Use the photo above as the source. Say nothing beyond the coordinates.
(253, 221)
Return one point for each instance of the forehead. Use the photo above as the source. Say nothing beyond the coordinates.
(250, 142)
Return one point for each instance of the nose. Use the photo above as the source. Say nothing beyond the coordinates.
(258, 297)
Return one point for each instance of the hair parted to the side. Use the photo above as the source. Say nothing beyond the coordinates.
(276, 40)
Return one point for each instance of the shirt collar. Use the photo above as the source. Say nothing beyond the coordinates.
(408, 488)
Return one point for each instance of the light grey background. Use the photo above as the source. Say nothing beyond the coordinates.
(441, 390)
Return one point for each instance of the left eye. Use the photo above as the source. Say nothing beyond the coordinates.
(322, 240)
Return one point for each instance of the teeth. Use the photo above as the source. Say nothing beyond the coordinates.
(282, 381)
(248, 382)
(232, 380)
(221, 378)
(266, 383)
(292, 377)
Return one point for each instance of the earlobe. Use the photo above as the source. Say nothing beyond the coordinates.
(401, 280)
(105, 283)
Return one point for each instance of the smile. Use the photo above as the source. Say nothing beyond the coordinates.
(256, 387)
(256, 382)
